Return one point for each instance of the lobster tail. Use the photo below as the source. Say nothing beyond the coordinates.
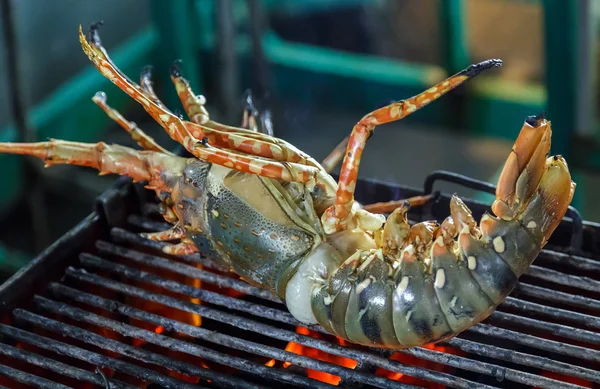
(429, 282)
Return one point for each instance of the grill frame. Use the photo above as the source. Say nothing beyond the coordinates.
(118, 208)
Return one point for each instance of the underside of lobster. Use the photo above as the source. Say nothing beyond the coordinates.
(274, 215)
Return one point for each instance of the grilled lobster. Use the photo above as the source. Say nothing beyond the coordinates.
(275, 217)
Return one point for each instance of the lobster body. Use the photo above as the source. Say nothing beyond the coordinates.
(275, 217)
(248, 223)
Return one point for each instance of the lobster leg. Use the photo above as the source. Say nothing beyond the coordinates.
(250, 115)
(184, 248)
(150, 166)
(338, 216)
(336, 155)
(143, 140)
(194, 138)
(192, 104)
(173, 233)
(147, 87)
(390, 206)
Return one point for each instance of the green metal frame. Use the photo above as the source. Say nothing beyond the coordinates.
(68, 112)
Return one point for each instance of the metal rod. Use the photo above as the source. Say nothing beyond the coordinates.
(93, 358)
(552, 328)
(530, 307)
(121, 235)
(179, 268)
(536, 342)
(124, 349)
(563, 279)
(536, 361)
(204, 295)
(261, 328)
(147, 224)
(577, 262)
(550, 295)
(223, 339)
(30, 379)
(257, 28)
(255, 309)
(61, 368)
(225, 282)
(534, 310)
(294, 337)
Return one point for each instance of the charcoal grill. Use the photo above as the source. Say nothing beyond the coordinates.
(103, 307)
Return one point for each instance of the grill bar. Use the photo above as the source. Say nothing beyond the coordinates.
(535, 310)
(118, 347)
(510, 346)
(93, 358)
(552, 328)
(160, 340)
(204, 295)
(523, 288)
(511, 302)
(535, 342)
(577, 262)
(563, 279)
(546, 256)
(520, 358)
(59, 367)
(30, 379)
(180, 268)
(222, 339)
(459, 362)
(285, 317)
(124, 235)
(557, 296)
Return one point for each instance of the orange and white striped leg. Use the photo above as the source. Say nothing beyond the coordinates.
(173, 233)
(147, 166)
(137, 134)
(186, 247)
(336, 155)
(194, 138)
(390, 206)
(193, 104)
(338, 216)
(188, 134)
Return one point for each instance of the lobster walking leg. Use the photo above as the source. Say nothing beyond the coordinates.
(173, 233)
(185, 247)
(390, 206)
(148, 166)
(188, 134)
(337, 217)
(193, 104)
(250, 114)
(143, 140)
(336, 155)
(195, 137)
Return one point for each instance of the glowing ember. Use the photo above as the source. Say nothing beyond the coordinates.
(414, 361)
(351, 364)
(320, 355)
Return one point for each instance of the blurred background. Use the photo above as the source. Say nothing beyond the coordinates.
(318, 66)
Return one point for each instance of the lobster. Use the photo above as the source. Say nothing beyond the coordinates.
(274, 216)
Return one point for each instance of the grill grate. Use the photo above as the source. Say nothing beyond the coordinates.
(104, 307)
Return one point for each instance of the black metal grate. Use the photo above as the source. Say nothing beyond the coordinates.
(103, 307)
